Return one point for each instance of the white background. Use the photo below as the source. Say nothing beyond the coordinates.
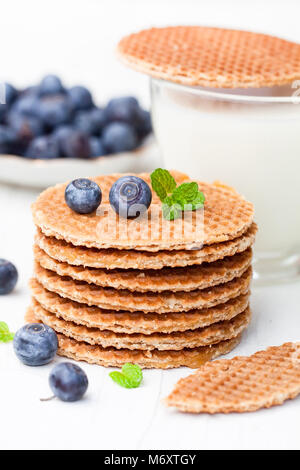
(76, 39)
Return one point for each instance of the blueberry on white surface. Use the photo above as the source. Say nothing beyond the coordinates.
(8, 276)
(68, 382)
(130, 196)
(35, 344)
(83, 196)
(119, 137)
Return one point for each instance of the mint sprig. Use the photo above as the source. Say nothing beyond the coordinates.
(175, 199)
(130, 377)
(5, 334)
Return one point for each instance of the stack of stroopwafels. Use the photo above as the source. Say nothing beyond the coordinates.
(116, 291)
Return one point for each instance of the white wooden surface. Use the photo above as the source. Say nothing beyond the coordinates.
(111, 417)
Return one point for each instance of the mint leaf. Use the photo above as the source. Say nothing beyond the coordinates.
(185, 193)
(185, 197)
(162, 183)
(133, 373)
(171, 211)
(5, 334)
(130, 377)
(120, 379)
(198, 202)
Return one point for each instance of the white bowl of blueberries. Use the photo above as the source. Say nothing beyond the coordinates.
(50, 134)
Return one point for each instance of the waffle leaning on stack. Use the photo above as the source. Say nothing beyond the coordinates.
(157, 292)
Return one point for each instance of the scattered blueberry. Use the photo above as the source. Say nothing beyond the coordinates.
(130, 196)
(90, 122)
(68, 382)
(51, 85)
(80, 97)
(119, 137)
(97, 147)
(55, 110)
(83, 196)
(125, 109)
(75, 145)
(43, 147)
(8, 277)
(35, 344)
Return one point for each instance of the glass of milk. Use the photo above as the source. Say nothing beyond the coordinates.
(248, 139)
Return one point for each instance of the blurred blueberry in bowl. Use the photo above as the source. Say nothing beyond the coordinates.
(50, 121)
(75, 145)
(43, 147)
(25, 127)
(124, 109)
(80, 97)
(119, 137)
(91, 122)
(144, 123)
(51, 85)
(27, 104)
(96, 147)
(11, 93)
(7, 139)
(55, 110)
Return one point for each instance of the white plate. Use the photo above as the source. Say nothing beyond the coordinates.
(43, 173)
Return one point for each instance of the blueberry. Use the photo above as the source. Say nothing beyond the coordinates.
(68, 382)
(130, 196)
(25, 127)
(75, 144)
(26, 104)
(144, 124)
(80, 97)
(119, 137)
(7, 139)
(8, 276)
(35, 344)
(10, 93)
(97, 147)
(55, 110)
(125, 109)
(83, 196)
(43, 147)
(90, 122)
(51, 85)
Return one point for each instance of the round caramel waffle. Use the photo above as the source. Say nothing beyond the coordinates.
(160, 341)
(226, 216)
(212, 57)
(133, 259)
(112, 357)
(163, 302)
(174, 279)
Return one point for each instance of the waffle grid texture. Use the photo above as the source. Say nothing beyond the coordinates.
(157, 303)
(241, 384)
(212, 57)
